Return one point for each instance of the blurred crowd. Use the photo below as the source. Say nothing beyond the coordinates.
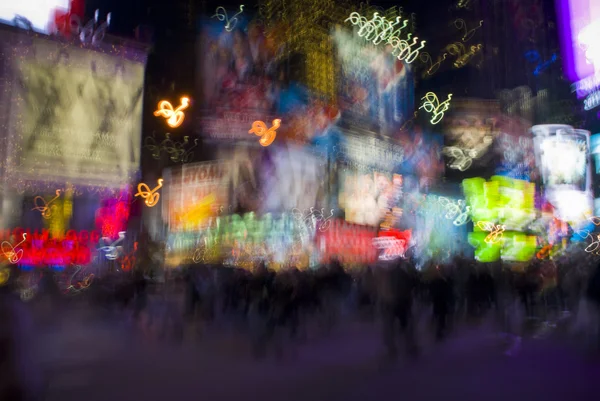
(276, 310)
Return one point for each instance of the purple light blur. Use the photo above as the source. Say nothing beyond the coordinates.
(573, 17)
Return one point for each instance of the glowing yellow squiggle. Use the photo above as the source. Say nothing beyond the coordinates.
(44, 208)
(496, 232)
(12, 254)
(460, 24)
(267, 136)
(431, 104)
(174, 117)
(151, 196)
(379, 29)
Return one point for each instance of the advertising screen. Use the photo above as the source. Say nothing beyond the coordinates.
(293, 177)
(375, 87)
(579, 25)
(365, 197)
(238, 73)
(193, 193)
(40, 13)
(74, 113)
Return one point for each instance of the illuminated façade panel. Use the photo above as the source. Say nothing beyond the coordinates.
(74, 114)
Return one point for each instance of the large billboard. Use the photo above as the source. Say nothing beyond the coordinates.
(579, 24)
(193, 193)
(376, 89)
(238, 71)
(39, 13)
(293, 177)
(73, 114)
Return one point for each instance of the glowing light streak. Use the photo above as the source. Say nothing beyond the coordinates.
(379, 29)
(542, 66)
(313, 218)
(463, 59)
(267, 136)
(496, 232)
(176, 151)
(221, 15)
(462, 158)
(432, 67)
(431, 104)
(174, 117)
(461, 25)
(463, 4)
(393, 248)
(12, 254)
(44, 207)
(151, 196)
(79, 285)
(457, 211)
(111, 251)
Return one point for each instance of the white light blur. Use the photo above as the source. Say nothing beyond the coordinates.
(572, 206)
(39, 12)
(588, 41)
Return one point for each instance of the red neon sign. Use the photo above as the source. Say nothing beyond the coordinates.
(40, 250)
(348, 243)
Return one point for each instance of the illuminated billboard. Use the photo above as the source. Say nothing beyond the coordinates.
(579, 24)
(40, 13)
(194, 193)
(74, 114)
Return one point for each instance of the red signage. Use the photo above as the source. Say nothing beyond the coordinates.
(40, 250)
(347, 242)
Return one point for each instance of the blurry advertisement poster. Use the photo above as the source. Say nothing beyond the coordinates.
(238, 78)
(375, 88)
(365, 152)
(243, 180)
(365, 197)
(194, 193)
(423, 157)
(293, 177)
(74, 114)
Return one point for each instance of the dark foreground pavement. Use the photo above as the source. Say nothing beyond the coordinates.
(90, 359)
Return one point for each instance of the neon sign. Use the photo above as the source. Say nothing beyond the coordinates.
(431, 104)
(579, 24)
(350, 243)
(221, 15)
(44, 207)
(151, 196)
(40, 250)
(394, 244)
(174, 117)
(379, 29)
(267, 136)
